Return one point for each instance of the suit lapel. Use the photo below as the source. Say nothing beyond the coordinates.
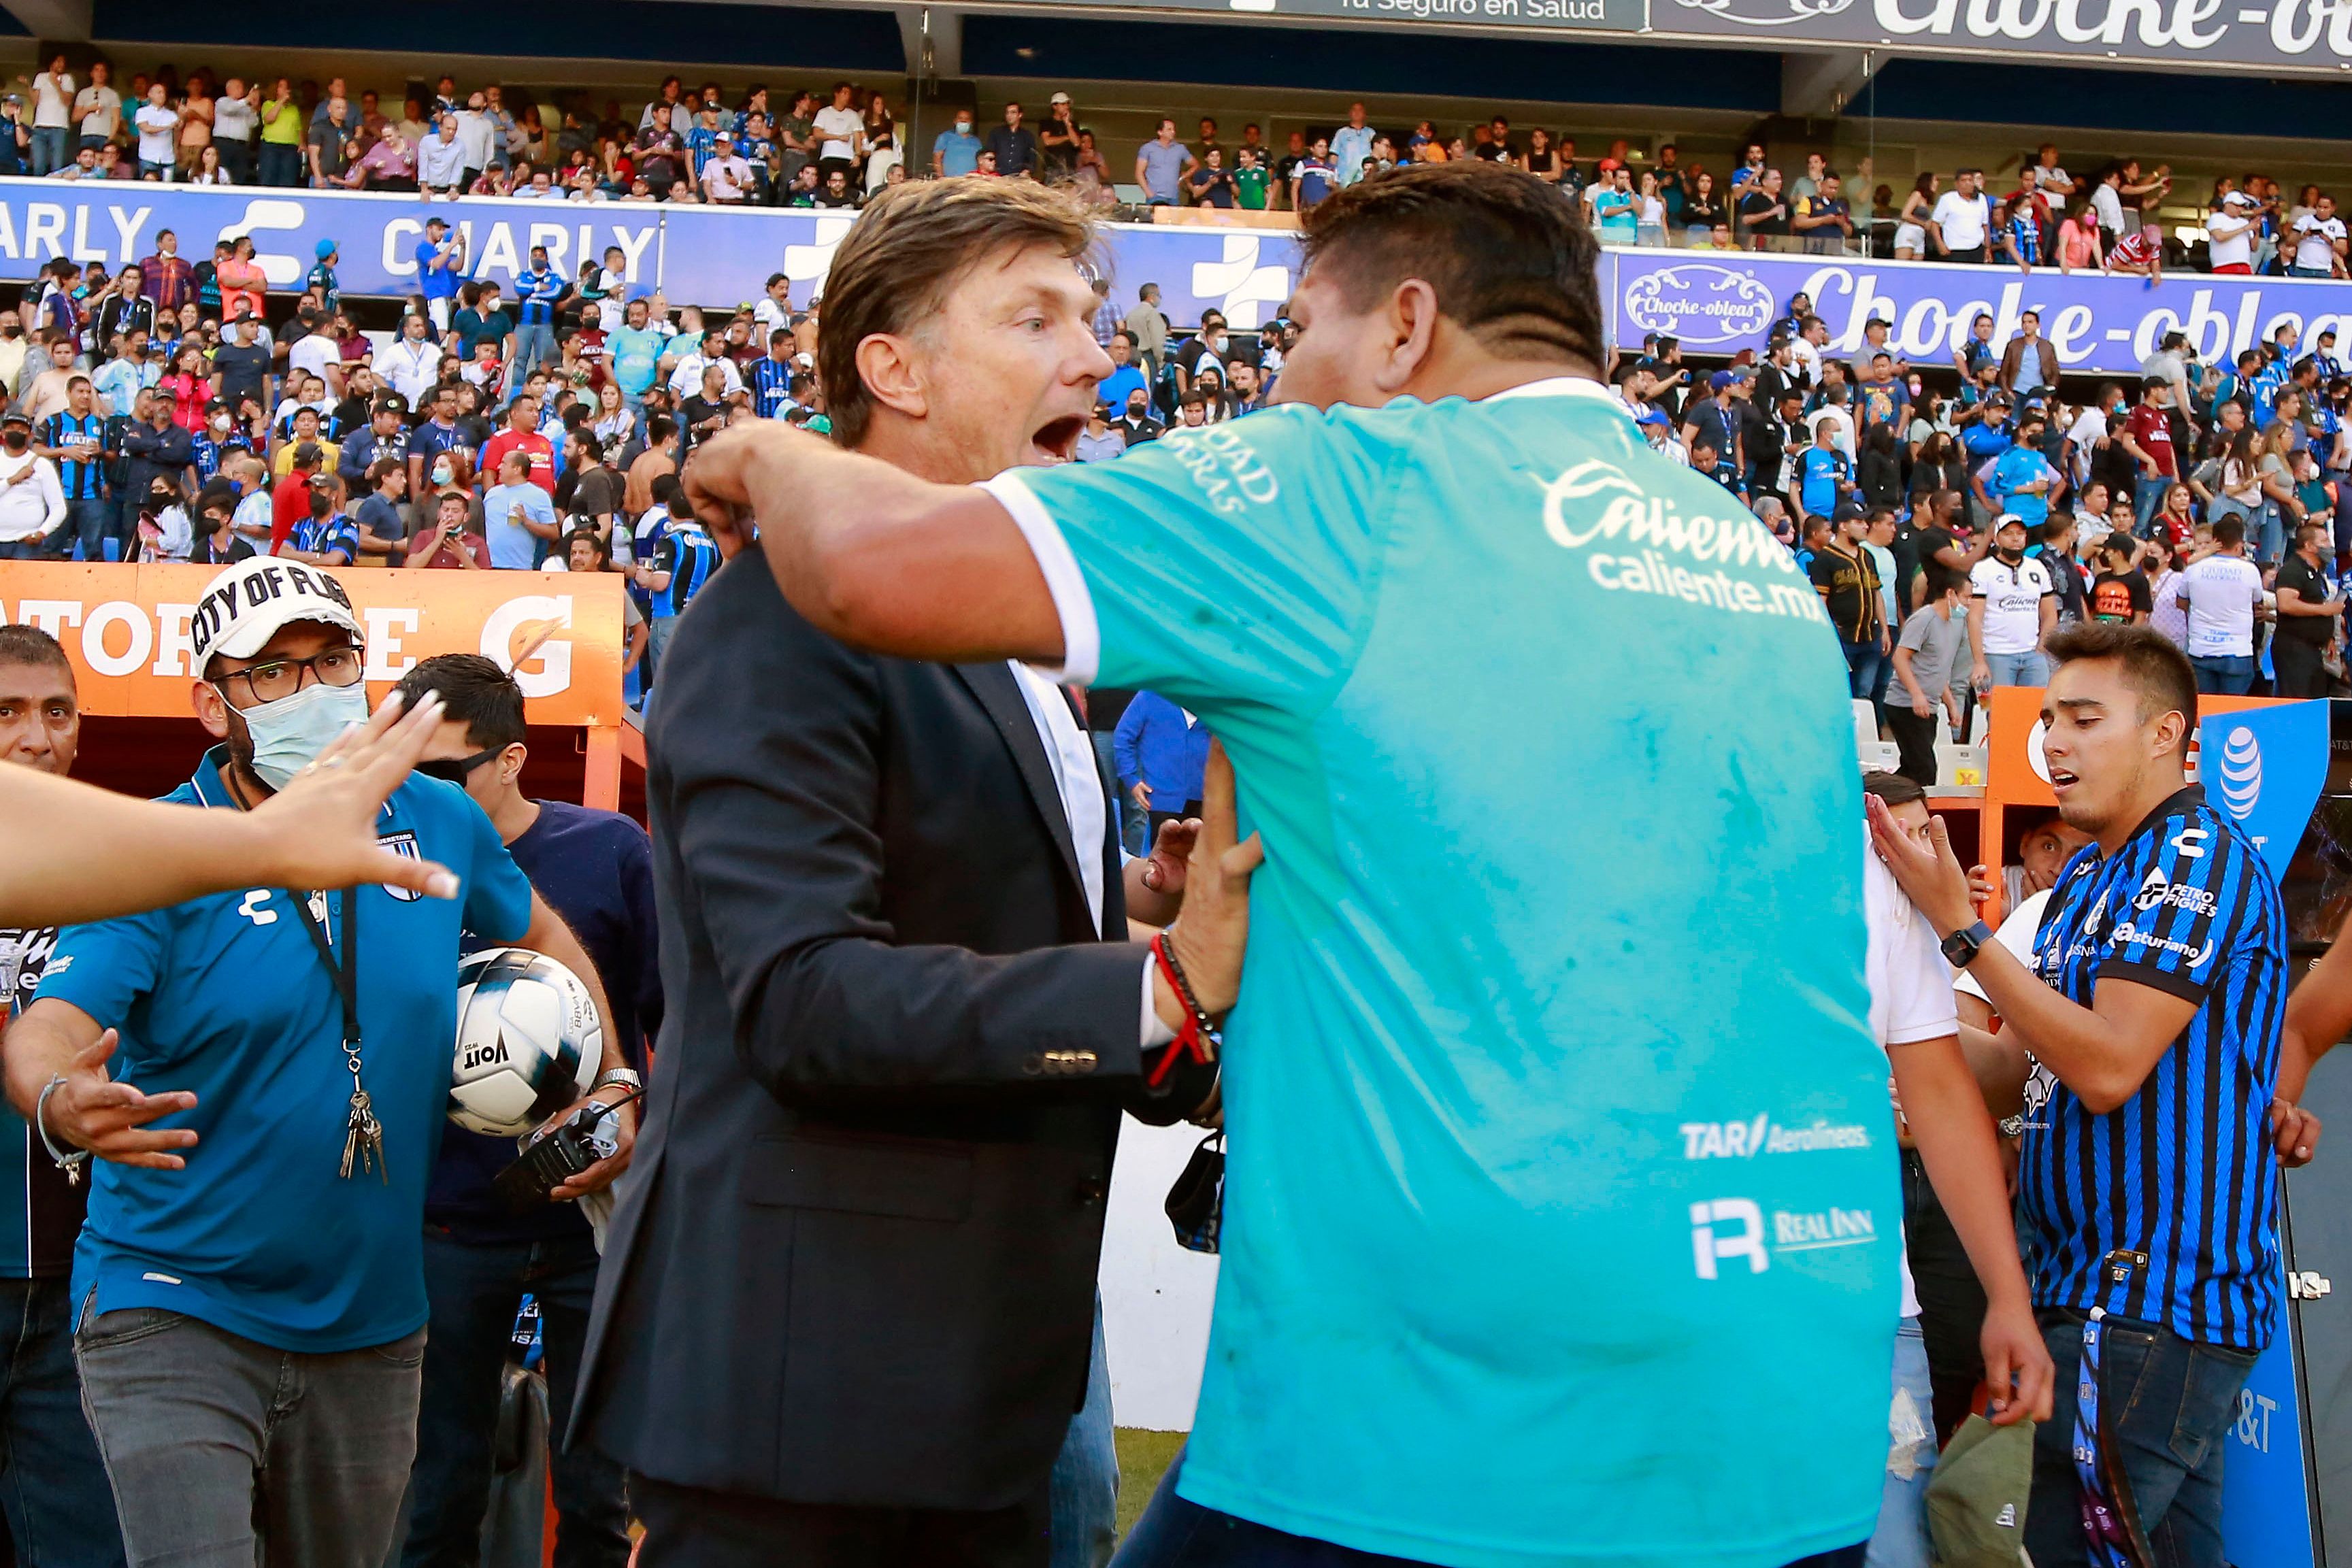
(998, 692)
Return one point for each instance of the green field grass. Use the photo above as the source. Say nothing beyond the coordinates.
(1143, 1456)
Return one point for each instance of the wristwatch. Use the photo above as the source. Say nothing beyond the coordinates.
(1961, 946)
(624, 1076)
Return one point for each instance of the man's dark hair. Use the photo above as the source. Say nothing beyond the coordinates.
(2154, 667)
(660, 428)
(666, 488)
(31, 646)
(909, 247)
(1509, 261)
(1941, 579)
(1892, 788)
(598, 542)
(474, 691)
(2230, 531)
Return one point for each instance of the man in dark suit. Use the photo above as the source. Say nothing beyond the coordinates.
(847, 1308)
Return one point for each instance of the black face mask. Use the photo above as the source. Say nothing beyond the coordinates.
(16, 440)
(2008, 557)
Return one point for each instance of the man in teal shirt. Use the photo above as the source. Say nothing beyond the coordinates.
(636, 350)
(1560, 1216)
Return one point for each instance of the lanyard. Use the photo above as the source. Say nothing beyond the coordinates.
(2111, 1524)
(364, 1135)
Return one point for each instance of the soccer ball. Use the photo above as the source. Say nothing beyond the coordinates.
(528, 1040)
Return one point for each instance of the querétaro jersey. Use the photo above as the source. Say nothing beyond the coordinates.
(2183, 1171)
(1560, 1147)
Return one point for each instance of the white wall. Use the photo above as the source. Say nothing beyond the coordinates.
(1155, 1295)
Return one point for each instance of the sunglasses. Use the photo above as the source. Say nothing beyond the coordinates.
(455, 770)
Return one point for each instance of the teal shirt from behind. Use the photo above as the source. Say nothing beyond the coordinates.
(1548, 742)
(226, 997)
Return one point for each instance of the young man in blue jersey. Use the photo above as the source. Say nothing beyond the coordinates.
(1466, 1239)
(683, 560)
(264, 1074)
(2145, 1033)
(53, 1488)
(594, 868)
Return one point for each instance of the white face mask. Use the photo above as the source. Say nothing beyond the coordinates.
(287, 734)
(964, 128)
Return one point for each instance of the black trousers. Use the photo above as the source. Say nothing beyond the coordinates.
(1914, 737)
(688, 1527)
(2299, 671)
(1951, 1301)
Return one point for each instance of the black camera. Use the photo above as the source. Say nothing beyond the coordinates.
(554, 1156)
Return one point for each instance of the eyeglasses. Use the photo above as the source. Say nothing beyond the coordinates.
(267, 682)
(454, 770)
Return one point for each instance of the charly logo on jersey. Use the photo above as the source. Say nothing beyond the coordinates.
(401, 843)
(1700, 303)
(2240, 772)
(1762, 1136)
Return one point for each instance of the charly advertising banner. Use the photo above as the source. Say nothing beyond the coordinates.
(1719, 303)
(693, 255)
(2313, 36)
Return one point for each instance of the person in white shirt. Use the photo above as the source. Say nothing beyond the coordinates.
(1939, 1110)
(2229, 235)
(2222, 594)
(2319, 242)
(441, 159)
(2013, 606)
(773, 312)
(1962, 220)
(53, 96)
(841, 133)
(32, 501)
(100, 108)
(475, 130)
(2049, 178)
(159, 132)
(725, 176)
(412, 363)
(686, 376)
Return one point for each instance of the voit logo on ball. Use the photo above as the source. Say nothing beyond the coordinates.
(1699, 303)
(2241, 773)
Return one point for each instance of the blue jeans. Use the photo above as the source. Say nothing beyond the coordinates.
(24, 550)
(474, 1291)
(1085, 1473)
(53, 1486)
(1173, 1533)
(281, 164)
(2230, 677)
(2028, 669)
(2147, 495)
(87, 527)
(2291, 272)
(52, 148)
(534, 345)
(2270, 533)
(2168, 1403)
(1901, 1539)
(1865, 666)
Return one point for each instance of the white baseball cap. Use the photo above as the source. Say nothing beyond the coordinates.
(248, 604)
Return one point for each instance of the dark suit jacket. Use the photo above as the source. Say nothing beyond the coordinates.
(855, 1261)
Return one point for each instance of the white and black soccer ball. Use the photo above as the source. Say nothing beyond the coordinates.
(528, 1040)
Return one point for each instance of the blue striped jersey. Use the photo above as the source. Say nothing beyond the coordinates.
(772, 386)
(40, 1211)
(537, 289)
(2183, 1171)
(688, 554)
(80, 481)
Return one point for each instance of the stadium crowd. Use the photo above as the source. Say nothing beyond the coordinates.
(834, 148)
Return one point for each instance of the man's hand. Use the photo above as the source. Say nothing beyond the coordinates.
(1922, 707)
(1172, 849)
(319, 831)
(2018, 1369)
(1930, 874)
(721, 479)
(1210, 938)
(605, 1172)
(90, 1111)
(2295, 1133)
(1140, 793)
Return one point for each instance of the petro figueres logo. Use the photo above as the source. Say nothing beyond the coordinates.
(1768, 13)
(1700, 303)
(2240, 772)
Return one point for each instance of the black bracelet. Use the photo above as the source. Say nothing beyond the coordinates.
(1211, 1037)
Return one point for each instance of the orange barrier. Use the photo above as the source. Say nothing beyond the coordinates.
(125, 628)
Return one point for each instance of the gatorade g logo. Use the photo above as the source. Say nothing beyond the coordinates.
(1727, 1228)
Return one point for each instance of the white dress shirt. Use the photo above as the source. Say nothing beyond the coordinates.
(34, 505)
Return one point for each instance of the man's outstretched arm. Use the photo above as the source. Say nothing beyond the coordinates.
(872, 555)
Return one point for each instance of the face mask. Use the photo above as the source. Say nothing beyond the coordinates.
(964, 128)
(443, 473)
(16, 440)
(220, 421)
(2008, 557)
(287, 734)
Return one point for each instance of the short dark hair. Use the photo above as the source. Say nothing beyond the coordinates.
(2153, 666)
(473, 690)
(602, 546)
(2230, 531)
(1509, 261)
(1894, 789)
(31, 646)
